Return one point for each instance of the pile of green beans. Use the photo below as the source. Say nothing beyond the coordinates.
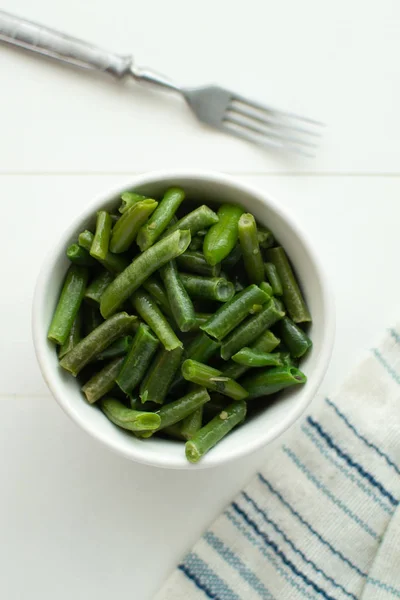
(174, 316)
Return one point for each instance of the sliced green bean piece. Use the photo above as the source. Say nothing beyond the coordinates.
(174, 432)
(133, 420)
(155, 385)
(212, 379)
(252, 258)
(272, 380)
(201, 319)
(265, 237)
(201, 348)
(138, 360)
(129, 199)
(209, 435)
(265, 287)
(101, 240)
(147, 308)
(251, 329)
(74, 335)
(196, 243)
(194, 262)
(179, 409)
(118, 348)
(233, 258)
(97, 287)
(157, 291)
(214, 406)
(127, 228)
(296, 340)
(265, 343)
(91, 318)
(212, 288)
(221, 238)
(141, 268)
(68, 304)
(289, 361)
(254, 358)
(96, 341)
(292, 296)
(273, 278)
(112, 262)
(234, 312)
(192, 423)
(160, 219)
(79, 256)
(200, 218)
(103, 382)
(179, 300)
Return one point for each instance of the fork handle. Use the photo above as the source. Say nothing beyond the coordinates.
(62, 47)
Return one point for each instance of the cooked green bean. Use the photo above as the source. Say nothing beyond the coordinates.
(292, 296)
(79, 256)
(234, 312)
(212, 288)
(251, 329)
(273, 278)
(68, 304)
(91, 318)
(160, 219)
(127, 227)
(209, 435)
(221, 238)
(265, 237)
(179, 409)
(254, 358)
(212, 379)
(74, 335)
(160, 375)
(200, 218)
(296, 340)
(174, 432)
(265, 343)
(101, 240)
(96, 341)
(196, 243)
(191, 424)
(233, 258)
(201, 319)
(289, 361)
(97, 286)
(147, 308)
(118, 348)
(141, 268)
(194, 262)
(265, 287)
(103, 381)
(129, 199)
(248, 239)
(201, 348)
(215, 405)
(270, 381)
(138, 359)
(112, 262)
(133, 420)
(181, 305)
(156, 290)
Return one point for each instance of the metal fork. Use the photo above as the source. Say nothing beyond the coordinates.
(213, 105)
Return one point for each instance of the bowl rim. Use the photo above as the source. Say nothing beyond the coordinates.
(138, 452)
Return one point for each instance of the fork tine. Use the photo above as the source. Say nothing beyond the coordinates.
(274, 111)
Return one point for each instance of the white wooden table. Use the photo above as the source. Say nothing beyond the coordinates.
(75, 520)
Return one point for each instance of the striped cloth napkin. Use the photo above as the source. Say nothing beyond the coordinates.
(322, 519)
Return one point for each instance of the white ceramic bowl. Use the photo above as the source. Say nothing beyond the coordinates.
(257, 431)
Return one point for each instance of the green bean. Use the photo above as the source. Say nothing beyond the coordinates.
(96, 341)
(128, 226)
(102, 382)
(174, 432)
(91, 318)
(201, 319)
(212, 288)
(192, 423)
(292, 295)
(201, 348)
(221, 238)
(101, 240)
(97, 286)
(273, 278)
(215, 405)
(212, 379)
(234, 312)
(112, 262)
(233, 258)
(272, 380)
(68, 304)
(294, 338)
(209, 435)
(200, 218)
(133, 420)
(181, 305)
(79, 256)
(147, 308)
(196, 243)
(74, 335)
(265, 343)
(160, 375)
(160, 219)
(251, 329)
(118, 348)
(265, 237)
(156, 290)
(289, 361)
(141, 268)
(194, 262)
(252, 258)
(265, 287)
(254, 358)
(129, 199)
(179, 409)
(138, 359)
